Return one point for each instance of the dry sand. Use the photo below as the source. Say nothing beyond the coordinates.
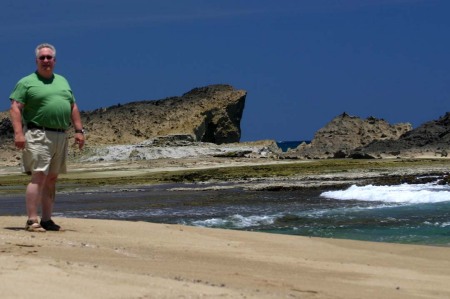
(116, 259)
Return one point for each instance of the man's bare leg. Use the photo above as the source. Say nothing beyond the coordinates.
(33, 194)
(48, 199)
(48, 196)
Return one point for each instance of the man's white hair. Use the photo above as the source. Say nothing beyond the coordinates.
(45, 45)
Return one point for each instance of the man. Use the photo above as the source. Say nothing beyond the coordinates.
(42, 108)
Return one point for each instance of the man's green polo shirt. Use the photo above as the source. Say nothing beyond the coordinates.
(47, 102)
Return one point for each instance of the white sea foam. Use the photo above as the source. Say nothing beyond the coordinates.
(405, 193)
(236, 221)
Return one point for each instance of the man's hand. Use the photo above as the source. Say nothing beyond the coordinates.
(19, 141)
(79, 139)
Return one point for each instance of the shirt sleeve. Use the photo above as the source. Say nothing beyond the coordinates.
(19, 93)
(73, 97)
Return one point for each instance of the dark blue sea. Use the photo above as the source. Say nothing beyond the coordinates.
(411, 214)
(285, 145)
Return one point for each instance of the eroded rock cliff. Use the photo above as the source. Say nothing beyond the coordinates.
(209, 114)
(431, 139)
(345, 133)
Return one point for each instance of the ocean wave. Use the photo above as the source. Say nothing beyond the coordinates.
(236, 221)
(404, 193)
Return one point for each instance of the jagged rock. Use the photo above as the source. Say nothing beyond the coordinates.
(346, 133)
(170, 140)
(235, 154)
(209, 114)
(340, 154)
(360, 155)
(6, 128)
(148, 150)
(430, 139)
(8, 155)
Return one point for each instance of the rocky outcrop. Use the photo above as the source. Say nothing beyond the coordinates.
(8, 154)
(344, 133)
(6, 128)
(176, 147)
(431, 139)
(209, 114)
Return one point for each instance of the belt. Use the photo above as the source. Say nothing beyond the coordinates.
(34, 126)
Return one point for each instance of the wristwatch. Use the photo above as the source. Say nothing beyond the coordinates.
(80, 131)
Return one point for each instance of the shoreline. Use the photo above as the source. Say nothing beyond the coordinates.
(234, 169)
(121, 259)
(125, 259)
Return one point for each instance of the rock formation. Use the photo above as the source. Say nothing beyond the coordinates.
(431, 139)
(207, 117)
(344, 134)
(8, 153)
(209, 114)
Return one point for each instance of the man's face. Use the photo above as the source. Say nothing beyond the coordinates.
(45, 61)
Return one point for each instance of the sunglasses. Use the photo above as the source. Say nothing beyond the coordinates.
(49, 57)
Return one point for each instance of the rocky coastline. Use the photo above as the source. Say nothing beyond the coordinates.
(205, 123)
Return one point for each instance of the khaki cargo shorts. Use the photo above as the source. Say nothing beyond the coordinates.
(45, 151)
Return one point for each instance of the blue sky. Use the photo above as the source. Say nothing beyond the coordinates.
(302, 62)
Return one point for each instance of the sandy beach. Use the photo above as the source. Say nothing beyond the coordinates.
(119, 259)
(124, 259)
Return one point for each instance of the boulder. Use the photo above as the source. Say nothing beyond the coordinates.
(431, 139)
(344, 134)
(208, 114)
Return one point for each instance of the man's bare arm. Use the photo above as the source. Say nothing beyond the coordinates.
(76, 121)
(16, 119)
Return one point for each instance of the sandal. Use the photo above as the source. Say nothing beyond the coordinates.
(34, 226)
(50, 225)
